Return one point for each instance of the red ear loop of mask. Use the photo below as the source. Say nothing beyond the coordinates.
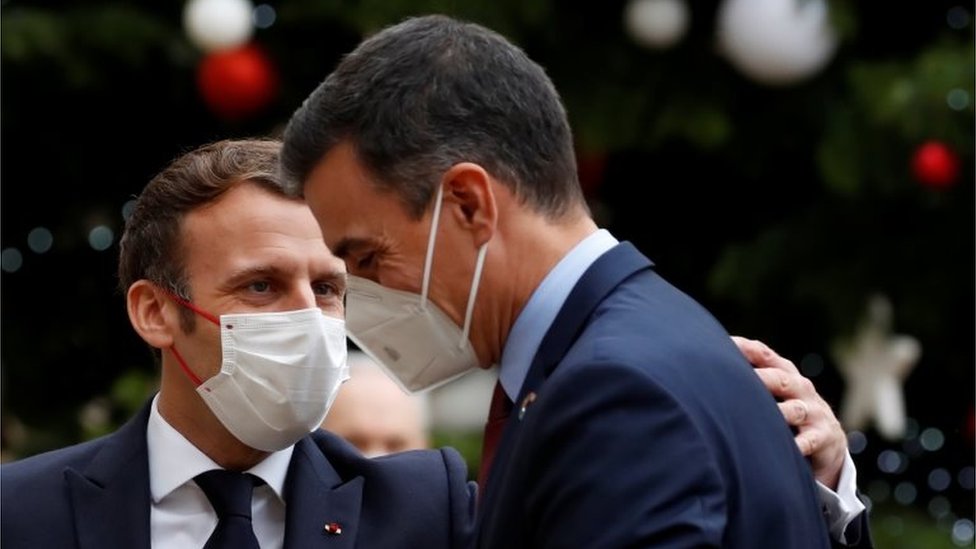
(179, 358)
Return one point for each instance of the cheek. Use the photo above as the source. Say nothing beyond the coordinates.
(202, 350)
(400, 274)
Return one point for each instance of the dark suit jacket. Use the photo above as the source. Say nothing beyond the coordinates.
(640, 424)
(96, 495)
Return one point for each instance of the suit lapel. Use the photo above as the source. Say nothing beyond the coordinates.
(110, 497)
(605, 274)
(321, 510)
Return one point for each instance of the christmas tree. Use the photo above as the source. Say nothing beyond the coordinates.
(784, 162)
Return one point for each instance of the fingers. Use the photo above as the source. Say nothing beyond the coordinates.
(787, 385)
(819, 436)
(825, 452)
(756, 353)
(795, 411)
(809, 442)
(761, 356)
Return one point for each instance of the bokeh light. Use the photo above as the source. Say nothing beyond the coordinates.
(966, 478)
(40, 240)
(939, 479)
(892, 462)
(264, 16)
(958, 17)
(856, 442)
(957, 99)
(905, 493)
(932, 439)
(963, 532)
(100, 238)
(127, 209)
(11, 260)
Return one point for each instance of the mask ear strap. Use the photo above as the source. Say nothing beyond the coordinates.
(193, 307)
(179, 358)
(475, 281)
(186, 369)
(435, 219)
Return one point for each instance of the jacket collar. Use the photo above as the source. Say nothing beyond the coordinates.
(110, 496)
(322, 509)
(603, 276)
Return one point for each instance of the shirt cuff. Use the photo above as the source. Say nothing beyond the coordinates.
(843, 506)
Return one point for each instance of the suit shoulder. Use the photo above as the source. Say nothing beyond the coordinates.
(52, 463)
(428, 483)
(349, 462)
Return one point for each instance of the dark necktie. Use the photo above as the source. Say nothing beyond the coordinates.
(498, 412)
(230, 494)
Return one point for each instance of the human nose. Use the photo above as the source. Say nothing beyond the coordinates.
(301, 297)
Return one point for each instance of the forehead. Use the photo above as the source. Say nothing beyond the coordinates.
(347, 205)
(251, 224)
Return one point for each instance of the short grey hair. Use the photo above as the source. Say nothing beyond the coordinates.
(430, 92)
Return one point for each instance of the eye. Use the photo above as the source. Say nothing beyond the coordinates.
(259, 286)
(365, 261)
(325, 289)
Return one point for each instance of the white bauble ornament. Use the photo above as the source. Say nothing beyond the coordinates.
(656, 23)
(776, 42)
(214, 25)
(874, 364)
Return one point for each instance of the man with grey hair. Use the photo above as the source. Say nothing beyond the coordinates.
(438, 161)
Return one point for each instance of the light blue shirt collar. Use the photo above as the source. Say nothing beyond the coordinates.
(542, 307)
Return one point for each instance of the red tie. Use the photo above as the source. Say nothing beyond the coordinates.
(498, 412)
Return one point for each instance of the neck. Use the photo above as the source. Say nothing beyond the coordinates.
(186, 412)
(518, 266)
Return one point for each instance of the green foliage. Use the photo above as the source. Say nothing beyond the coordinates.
(78, 41)
(899, 527)
(889, 107)
(467, 443)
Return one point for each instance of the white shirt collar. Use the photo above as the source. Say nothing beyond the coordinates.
(173, 460)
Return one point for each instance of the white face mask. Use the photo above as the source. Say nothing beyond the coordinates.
(279, 376)
(407, 333)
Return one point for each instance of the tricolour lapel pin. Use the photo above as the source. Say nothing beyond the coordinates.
(333, 528)
(529, 399)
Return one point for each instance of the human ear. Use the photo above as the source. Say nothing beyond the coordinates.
(152, 313)
(471, 190)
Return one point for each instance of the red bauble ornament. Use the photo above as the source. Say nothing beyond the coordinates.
(237, 83)
(935, 164)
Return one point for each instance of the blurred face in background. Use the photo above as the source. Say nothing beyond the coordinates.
(375, 414)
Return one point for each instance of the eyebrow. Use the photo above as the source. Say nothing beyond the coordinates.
(240, 276)
(274, 272)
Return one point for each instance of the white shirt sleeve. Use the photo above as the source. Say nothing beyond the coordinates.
(843, 506)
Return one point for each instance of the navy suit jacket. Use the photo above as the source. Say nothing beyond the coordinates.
(640, 424)
(96, 495)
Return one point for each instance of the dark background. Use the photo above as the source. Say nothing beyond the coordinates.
(781, 208)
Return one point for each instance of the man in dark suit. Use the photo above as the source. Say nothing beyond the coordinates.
(213, 234)
(438, 160)
(229, 278)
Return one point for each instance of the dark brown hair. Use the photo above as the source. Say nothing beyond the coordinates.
(151, 247)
